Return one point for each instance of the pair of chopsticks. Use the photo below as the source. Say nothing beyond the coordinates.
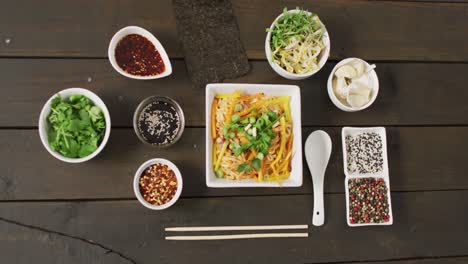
(236, 228)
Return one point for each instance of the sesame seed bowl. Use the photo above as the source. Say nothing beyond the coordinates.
(159, 121)
(157, 184)
(369, 157)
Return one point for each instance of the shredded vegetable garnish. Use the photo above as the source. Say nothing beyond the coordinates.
(297, 41)
(253, 137)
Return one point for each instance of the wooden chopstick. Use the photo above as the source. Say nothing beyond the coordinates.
(242, 236)
(235, 228)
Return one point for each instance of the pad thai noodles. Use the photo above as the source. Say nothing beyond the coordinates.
(252, 136)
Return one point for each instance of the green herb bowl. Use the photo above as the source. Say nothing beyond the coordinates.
(44, 125)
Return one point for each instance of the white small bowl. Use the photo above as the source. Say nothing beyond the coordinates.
(373, 80)
(44, 125)
(278, 69)
(136, 183)
(140, 31)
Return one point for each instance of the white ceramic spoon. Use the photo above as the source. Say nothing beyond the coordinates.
(317, 152)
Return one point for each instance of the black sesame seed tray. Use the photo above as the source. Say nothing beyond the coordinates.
(365, 151)
(366, 172)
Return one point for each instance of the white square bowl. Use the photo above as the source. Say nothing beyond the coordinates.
(295, 178)
(390, 211)
(353, 131)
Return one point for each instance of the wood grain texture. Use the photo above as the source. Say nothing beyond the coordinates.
(427, 224)
(430, 260)
(45, 246)
(80, 28)
(420, 159)
(375, 30)
(53, 212)
(378, 30)
(410, 93)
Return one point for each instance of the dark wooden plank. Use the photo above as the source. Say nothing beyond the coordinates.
(410, 93)
(83, 28)
(430, 1)
(33, 81)
(434, 260)
(427, 224)
(378, 30)
(50, 247)
(419, 158)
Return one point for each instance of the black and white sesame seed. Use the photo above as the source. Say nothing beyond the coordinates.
(364, 153)
(159, 123)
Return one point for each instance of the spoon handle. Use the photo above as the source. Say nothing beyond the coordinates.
(318, 217)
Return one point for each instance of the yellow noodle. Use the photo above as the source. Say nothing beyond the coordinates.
(224, 158)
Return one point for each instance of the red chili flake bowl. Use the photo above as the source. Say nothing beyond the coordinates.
(140, 172)
(139, 43)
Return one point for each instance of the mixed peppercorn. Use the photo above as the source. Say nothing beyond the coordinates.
(368, 201)
(158, 184)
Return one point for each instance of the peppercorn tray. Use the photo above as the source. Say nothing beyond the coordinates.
(384, 174)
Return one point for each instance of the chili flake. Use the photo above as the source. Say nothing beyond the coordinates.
(136, 55)
(158, 184)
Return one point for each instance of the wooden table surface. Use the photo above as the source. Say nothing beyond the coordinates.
(53, 212)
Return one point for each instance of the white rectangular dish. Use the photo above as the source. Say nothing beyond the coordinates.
(295, 178)
(390, 222)
(353, 131)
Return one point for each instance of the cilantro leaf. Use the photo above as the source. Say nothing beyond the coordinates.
(76, 126)
(257, 163)
(244, 167)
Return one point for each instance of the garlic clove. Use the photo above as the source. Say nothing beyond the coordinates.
(346, 71)
(359, 67)
(359, 94)
(358, 88)
(340, 88)
(357, 101)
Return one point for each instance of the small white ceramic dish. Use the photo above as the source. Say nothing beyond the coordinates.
(295, 178)
(353, 131)
(323, 57)
(390, 213)
(371, 79)
(140, 31)
(136, 181)
(44, 126)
